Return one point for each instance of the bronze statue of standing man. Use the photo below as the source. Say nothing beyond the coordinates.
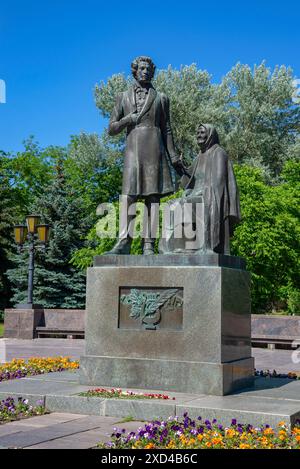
(149, 153)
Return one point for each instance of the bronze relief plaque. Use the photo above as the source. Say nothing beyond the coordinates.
(150, 308)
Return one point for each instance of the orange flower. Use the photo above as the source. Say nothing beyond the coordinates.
(150, 446)
(230, 433)
(217, 441)
(191, 442)
(268, 431)
(264, 441)
(281, 424)
(244, 446)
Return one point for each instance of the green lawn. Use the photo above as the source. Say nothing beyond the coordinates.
(1, 329)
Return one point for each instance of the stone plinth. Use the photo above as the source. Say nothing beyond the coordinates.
(22, 323)
(183, 326)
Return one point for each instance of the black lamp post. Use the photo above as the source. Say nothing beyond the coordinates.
(32, 231)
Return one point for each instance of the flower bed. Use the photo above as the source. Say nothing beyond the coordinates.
(186, 433)
(11, 409)
(18, 368)
(274, 374)
(119, 394)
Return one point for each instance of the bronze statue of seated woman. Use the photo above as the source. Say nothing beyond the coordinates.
(202, 220)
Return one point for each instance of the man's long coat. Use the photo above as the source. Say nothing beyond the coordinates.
(149, 143)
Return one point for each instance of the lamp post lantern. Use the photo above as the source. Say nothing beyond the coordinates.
(33, 231)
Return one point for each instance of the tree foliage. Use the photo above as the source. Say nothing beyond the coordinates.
(93, 169)
(269, 237)
(253, 110)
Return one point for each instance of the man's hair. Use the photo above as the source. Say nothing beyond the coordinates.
(142, 58)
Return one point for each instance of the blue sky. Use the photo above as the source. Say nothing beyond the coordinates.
(54, 52)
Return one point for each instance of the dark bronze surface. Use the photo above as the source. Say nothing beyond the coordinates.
(149, 152)
(211, 181)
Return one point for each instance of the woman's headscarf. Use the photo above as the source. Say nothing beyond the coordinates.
(212, 136)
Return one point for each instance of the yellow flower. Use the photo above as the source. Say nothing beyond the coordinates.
(282, 435)
(150, 446)
(281, 424)
(171, 444)
(208, 444)
(268, 431)
(244, 446)
(191, 442)
(217, 441)
(264, 441)
(200, 437)
(230, 433)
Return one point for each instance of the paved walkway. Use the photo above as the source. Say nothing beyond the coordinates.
(81, 422)
(68, 430)
(280, 360)
(61, 431)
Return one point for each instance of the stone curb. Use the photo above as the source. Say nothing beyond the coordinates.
(151, 410)
(32, 398)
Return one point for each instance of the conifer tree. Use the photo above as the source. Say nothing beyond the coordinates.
(6, 221)
(57, 284)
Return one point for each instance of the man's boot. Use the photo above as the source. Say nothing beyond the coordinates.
(123, 244)
(151, 223)
(148, 248)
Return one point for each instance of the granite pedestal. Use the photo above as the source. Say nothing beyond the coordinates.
(172, 322)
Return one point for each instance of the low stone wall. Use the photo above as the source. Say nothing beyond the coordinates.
(22, 324)
(275, 329)
(65, 318)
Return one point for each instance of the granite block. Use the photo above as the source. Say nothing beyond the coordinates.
(64, 319)
(246, 411)
(209, 353)
(167, 375)
(209, 260)
(21, 323)
(75, 404)
(270, 326)
(139, 409)
(33, 398)
(201, 337)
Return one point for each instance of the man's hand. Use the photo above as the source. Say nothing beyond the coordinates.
(133, 116)
(179, 166)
